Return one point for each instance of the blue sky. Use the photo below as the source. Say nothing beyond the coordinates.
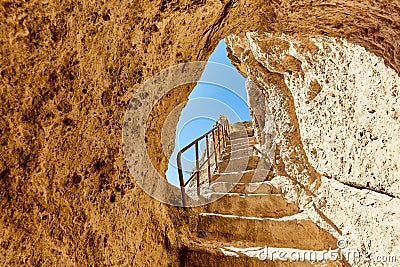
(220, 90)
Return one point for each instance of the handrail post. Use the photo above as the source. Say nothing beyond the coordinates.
(181, 181)
(219, 143)
(222, 135)
(197, 168)
(208, 160)
(215, 150)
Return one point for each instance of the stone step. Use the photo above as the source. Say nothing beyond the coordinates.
(242, 140)
(238, 136)
(239, 164)
(235, 147)
(258, 205)
(258, 175)
(243, 133)
(296, 231)
(240, 153)
(200, 253)
(245, 188)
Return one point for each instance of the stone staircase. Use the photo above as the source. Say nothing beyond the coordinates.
(250, 223)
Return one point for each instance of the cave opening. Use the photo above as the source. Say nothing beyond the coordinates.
(225, 95)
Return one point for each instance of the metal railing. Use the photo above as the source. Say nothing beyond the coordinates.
(220, 135)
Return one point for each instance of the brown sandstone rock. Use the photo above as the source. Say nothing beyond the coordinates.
(68, 71)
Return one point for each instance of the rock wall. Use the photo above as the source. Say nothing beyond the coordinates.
(263, 121)
(335, 108)
(68, 70)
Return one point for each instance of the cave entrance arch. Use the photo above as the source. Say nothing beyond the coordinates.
(205, 104)
(143, 149)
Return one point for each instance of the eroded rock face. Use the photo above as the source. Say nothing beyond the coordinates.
(263, 121)
(68, 70)
(347, 105)
(335, 109)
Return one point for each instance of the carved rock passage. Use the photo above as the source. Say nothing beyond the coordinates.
(336, 109)
(68, 70)
(268, 74)
(250, 214)
(262, 119)
(347, 106)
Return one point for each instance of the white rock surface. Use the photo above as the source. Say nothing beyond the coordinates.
(350, 130)
(346, 104)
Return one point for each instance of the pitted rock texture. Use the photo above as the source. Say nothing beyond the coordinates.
(347, 106)
(368, 220)
(266, 69)
(263, 121)
(68, 70)
(339, 103)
